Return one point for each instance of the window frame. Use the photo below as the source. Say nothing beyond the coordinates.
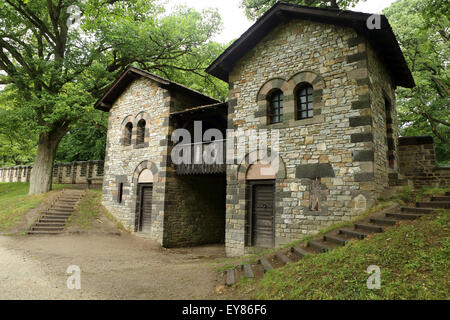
(128, 134)
(304, 90)
(275, 111)
(140, 132)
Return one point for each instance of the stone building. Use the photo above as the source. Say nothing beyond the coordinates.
(323, 79)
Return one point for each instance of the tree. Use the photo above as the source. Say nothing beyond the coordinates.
(55, 71)
(422, 28)
(255, 8)
(84, 141)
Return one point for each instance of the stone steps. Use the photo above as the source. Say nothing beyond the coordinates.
(301, 253)
(335, 239)
(327, 242)
(404, 216)
(368, 227)
(319, 246)
(283, 258)
(441, 198)
(248, 271)
(353, 233)
(434, 204)
(266, 264)
(53, 221)
(42, 232)
(417, 210)
(382, 221)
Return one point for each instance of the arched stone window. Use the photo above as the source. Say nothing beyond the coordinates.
(304, 101)
(275, 100)
(141, 132)
(128, 134)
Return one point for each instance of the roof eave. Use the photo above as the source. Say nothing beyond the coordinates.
(221, 67)
(130, 74)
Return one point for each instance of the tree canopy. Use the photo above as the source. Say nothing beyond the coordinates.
(58, 56)
(422, 28)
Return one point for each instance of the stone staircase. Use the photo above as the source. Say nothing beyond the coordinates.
(337, 238)
(53, 221)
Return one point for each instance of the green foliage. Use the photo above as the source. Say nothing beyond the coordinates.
(86, 212)
(404, 196)
(55, 72)
(89, 209)
(256, 8)
(85, 141)
(413, 259)
(431, 191)
(15, 203)
(422, 29)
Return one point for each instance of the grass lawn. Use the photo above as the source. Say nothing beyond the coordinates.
(89, 209)
(15, 203)
(413, 258)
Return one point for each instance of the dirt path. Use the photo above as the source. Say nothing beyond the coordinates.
(112, 267)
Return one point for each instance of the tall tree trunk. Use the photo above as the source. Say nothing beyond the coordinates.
(41, 174)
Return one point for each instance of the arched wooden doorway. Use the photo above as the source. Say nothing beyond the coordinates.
(145, 189)
(260, 224)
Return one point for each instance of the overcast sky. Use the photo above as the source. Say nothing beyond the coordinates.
(235, 23)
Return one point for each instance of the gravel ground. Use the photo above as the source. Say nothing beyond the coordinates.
(112, 267)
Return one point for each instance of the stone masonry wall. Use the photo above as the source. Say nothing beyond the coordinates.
(379, 86)
(418, 162)
(15, 174)
(143, 99)
(334, 60)
(78, 172)
(195, 210)
(63, 173)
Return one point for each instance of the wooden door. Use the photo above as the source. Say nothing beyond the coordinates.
(145, 216)
(263, 196)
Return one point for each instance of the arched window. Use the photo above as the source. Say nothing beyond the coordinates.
(140, 132)
(276, 107)
(304, 100)
(128, 134)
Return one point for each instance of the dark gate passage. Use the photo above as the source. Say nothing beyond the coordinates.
(145, 214)
(263, 214)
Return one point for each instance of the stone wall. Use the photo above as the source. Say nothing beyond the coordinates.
(78, 172)
(143, 99)
(15, 174)
(63, 173)
(195, 210)
(418, 162)
(340, 135)
(384, 124)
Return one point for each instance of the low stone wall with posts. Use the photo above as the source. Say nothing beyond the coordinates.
(418, 162)
(63, 173)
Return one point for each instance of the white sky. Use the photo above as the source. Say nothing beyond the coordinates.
(235, 23)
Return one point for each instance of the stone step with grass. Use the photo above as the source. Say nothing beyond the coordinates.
(338, 238)
(53, 221)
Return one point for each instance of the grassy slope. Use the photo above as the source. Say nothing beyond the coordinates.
(414, 261)
(89, 209)
(15, 203)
